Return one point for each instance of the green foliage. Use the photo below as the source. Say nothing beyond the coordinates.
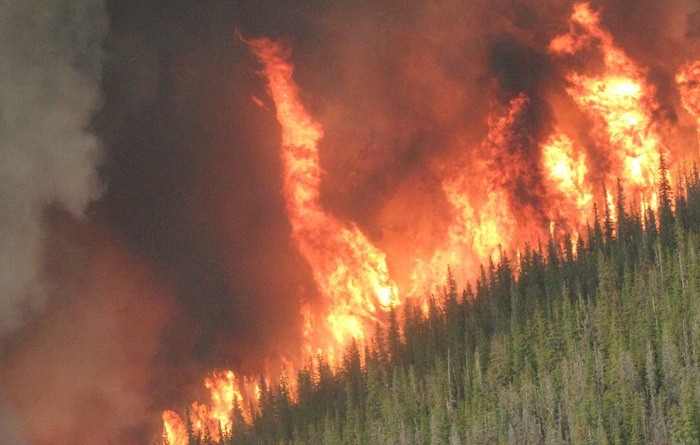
(592, 342)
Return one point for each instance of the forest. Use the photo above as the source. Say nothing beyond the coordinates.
(586, 340)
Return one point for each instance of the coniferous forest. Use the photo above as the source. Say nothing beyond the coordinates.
(593, 341)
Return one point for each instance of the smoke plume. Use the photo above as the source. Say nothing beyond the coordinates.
(403, 91)
(49, 85)
(185, 262)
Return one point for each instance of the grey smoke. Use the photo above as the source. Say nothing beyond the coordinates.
(50, 59)
(10, 427)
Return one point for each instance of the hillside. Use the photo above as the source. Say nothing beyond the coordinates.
(593, 341)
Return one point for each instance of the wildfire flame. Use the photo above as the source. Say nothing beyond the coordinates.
(619, 101)
(350, 272)
(688, 81)
(480, 227)
(487, 225)
(566, 173)
(174, 429)
(214, 418)
(473, 237)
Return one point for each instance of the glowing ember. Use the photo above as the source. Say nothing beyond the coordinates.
(350, 272)
(619, 101)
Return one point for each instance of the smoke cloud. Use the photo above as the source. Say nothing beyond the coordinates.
(403, 91)
(80, 371)
(185, 263)
(49, 85)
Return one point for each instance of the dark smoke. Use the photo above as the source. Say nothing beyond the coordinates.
(49, 86)
(194, 180)
(187, 255)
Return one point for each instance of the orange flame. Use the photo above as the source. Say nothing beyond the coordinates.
(486, 225)
(688, 81)
(174, 428)
(480, 226)
(215, 418)
(224, 393)
(350, 272)
(566, 171)
(472, 238)
(619, 101)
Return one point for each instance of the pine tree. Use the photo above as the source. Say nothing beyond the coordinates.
(666, 223)
(622, 229)
(603, 347)
(394, 338)
(192, 438)
(608, 229)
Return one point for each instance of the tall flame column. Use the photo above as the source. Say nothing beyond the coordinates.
(349, 271)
